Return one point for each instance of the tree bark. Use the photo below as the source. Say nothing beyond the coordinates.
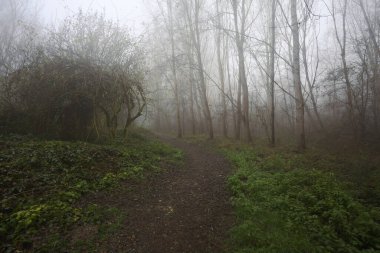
(376, 83)
(309, 82)
(196, 39)
(174, 70)
(272, 73)
(221, 71)
(342, 45)
(300, 108)
(243, 113)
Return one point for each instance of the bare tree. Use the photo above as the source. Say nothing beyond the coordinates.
(342, 42)
(192, 9)
(295, 66)
(309, 79)
(300, 108)
(375, 65)
(240, 36)
(174, 68)
(220, 68)
(272, 72)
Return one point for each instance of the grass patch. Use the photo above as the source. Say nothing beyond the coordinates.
(42, 180)
(289, 202)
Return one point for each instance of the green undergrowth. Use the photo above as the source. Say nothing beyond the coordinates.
(42, 180)
(290, 202)
(99, 225)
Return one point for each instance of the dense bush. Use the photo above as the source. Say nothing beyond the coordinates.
(85, 79)
(299, 209)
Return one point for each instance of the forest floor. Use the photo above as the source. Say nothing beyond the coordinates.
(153, 194)
(183, 209)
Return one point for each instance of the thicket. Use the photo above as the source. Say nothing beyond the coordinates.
(288, 202)
(41, 182)
(81, 80)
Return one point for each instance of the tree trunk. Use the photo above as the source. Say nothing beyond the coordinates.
(309, 82)
(300, 110)
(342, 45)
(174, 70)
(191, 82)
(221, 71)
(272, 73)
(197, 42)
(192, 102)
(376, 83)
(233, 112)
(243, 114)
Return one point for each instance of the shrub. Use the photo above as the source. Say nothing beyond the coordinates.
(84, 80)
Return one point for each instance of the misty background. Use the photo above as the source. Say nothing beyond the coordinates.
(223, 67)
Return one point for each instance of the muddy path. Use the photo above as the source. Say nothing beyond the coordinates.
(183, 209)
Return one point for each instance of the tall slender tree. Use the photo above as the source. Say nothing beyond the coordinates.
(174, 68)
(342, 42)
(220, 68)
(243, 113)
(296, 70)
(192, 10)
(272, 72)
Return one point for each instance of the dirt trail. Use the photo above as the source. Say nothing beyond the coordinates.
(185, 209)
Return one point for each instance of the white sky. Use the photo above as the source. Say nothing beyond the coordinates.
(132, 13)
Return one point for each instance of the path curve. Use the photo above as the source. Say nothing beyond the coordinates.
(183, 210)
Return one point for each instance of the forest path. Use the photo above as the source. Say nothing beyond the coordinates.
(184, 209)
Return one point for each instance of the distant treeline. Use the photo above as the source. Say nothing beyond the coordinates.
(292, 71)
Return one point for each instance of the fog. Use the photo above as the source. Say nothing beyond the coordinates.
(237, 69)
(190, 126)
(131, 13)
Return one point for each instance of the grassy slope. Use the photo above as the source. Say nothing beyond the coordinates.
(289, 202)
(42, 180)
